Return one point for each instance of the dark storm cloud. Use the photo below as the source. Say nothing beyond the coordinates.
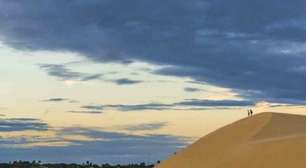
(61, 72)
(108, 147)
(253, 47)
(22, 124)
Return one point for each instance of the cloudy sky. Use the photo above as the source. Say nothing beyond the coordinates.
(135, 80)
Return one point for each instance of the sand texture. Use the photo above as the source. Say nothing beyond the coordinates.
(266, 140)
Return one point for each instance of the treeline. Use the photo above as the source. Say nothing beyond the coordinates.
(38, 164)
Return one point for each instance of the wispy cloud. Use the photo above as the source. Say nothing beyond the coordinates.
(146, 126)
(86, 111)
(192, 89)
(126, 81)
(215, 103)
(22, 124)
(93, 107)
(186, 104)
(61, 72)
(91, 77)
(60, 99)
(55, 100)
(135, 107)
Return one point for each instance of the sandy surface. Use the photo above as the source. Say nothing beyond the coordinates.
(266, 140)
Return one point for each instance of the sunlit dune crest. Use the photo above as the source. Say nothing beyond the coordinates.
(265, 140)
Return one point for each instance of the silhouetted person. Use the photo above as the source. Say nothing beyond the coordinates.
(251, 112)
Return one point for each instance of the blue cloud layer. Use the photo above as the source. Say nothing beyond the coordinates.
(108, 147)
(102, 146)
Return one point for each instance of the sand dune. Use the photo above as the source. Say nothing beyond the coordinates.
(266, 140)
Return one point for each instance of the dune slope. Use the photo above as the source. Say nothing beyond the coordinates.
(266, 140)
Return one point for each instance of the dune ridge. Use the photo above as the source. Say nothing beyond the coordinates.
(265, 140)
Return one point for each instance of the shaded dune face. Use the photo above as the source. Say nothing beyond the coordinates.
(266, 140)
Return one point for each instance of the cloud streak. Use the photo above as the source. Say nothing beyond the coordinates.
(59, 99)
(22, 124)
(186, 104)
(146, 126)
(126, 81)
(216, 103)
(61, 72)
(191, 89)
(86, 111)
(93, 107)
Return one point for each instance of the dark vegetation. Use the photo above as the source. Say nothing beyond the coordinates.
(38, 164)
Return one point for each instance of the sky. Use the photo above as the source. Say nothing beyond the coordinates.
(136, 80)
